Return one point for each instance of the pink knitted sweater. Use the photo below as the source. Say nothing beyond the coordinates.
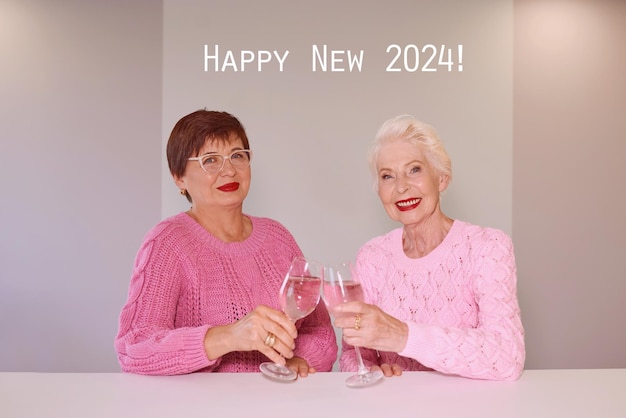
(185, 281)
(459, 301)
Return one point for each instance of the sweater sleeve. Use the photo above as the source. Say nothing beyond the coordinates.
(316, 342)
(348, 361)
(494, 349)
(147, 341)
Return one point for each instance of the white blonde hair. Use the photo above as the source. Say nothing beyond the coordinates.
(406, 127)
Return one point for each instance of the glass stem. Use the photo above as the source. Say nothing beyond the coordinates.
(362, 369)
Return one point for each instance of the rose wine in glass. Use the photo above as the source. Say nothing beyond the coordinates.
(340, 286)
(298, 297)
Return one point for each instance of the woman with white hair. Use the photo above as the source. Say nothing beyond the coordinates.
(440, 293)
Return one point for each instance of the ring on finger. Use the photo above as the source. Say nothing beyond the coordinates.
(357, 322)
(270, 339)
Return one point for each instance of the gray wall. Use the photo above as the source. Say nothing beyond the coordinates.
(81, 163)
(80, 111)
(310, 129)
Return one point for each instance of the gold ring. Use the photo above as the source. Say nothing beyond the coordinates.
(357, 322)
(270, 339)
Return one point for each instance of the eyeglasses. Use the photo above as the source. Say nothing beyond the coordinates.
(213, 163)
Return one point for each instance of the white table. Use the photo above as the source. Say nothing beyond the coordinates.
(538, 393)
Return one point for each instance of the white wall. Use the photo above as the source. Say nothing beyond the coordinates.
(569, 202)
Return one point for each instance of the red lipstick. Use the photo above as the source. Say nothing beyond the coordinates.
(229, 187)
(408, 204)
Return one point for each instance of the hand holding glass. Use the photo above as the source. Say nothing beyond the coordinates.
(340, 286)
(298, 297)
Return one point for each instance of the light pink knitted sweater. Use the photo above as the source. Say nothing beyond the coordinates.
(459, 301)
(185, 280)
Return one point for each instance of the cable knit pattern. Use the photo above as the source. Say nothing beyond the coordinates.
(185, 281)
(459, 301)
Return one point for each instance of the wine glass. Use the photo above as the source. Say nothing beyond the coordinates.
(298, 297)
(340, 286)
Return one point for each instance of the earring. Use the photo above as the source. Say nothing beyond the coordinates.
(183, 192)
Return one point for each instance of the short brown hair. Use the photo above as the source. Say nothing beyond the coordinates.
(192, 131)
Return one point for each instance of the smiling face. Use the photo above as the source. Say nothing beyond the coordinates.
(408, 185)
(226, 188)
